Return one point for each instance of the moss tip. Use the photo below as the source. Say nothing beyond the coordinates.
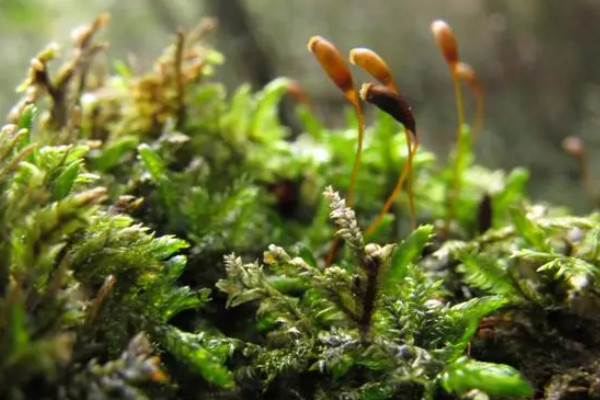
(354, 53)
(439, 25)
(574, 146)
(364, 90)
(446, 41)
(312, 43)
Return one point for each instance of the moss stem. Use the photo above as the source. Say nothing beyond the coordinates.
(455, 188)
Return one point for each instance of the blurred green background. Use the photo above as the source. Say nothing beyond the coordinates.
(539, 61)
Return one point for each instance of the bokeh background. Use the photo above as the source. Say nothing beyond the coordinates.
(539, 61)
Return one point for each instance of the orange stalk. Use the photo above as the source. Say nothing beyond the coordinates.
(467, 74)
(397, 188)
(373, 64)
(448, 45)
(394, 105)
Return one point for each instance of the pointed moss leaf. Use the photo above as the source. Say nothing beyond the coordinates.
(530, 230)
(265, 114)
(26, 120)
(307, 255)
(405, 254)
(188, 349)
(75, 153)
(17, 337)
(26, 173)
(328, 315)
(287, 284)
(576, 272)
(17, 141)
(86, 179)
(122, 69)
(470, 313)
(497, 380)
(180, 299)
(214, 57)
(167, 245)
(235, 121)
(236, 299)
(479, 307)
(341, 366)
(535, 256)
(488, 274)
(265, 322)
(157, 169)
(64, 182)
(209, 92)
(175, 266)
(567, 222)
(152, 161)
(113, 153)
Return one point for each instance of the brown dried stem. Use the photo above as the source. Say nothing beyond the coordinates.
(180, 111)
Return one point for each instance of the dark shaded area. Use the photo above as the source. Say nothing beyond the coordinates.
(238, 38)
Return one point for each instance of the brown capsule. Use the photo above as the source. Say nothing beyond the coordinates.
(389, 102)
(333, 63)
(574, 146)
(374, 65)
(446, 41)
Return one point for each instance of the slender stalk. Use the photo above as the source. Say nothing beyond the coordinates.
(374, 65)
(466, 73)
(406, 172)
(409, 166)
(460, 106)
(411, 196)
(359, 148)
(455, 189)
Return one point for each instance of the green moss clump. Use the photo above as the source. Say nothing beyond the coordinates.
(162, 239)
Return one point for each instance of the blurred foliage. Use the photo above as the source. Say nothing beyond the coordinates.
(537, 56)
(94, 161)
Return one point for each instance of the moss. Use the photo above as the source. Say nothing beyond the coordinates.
(162, 238)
